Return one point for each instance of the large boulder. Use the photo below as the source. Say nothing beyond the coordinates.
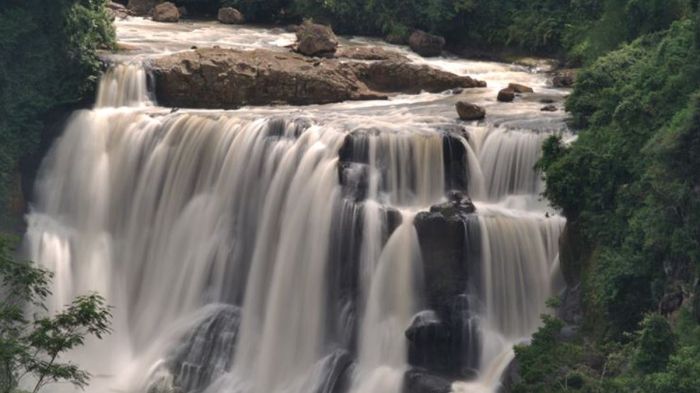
(421, 381)
(166, 12)
(316, 40)
(506, 95)
(518, 88)
(229, 78)
(230, 16)
(142, 7)
(469, 111)
(425, 44)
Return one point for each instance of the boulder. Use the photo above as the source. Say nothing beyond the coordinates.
(230, 16)
(510, 377)
(368, 53)
(229, 78)
(469, 111)
(142, 7)
(506, 95)
(183, 11)
(116, 10)
(316, 40)
(166, 12)
(421, 381)
(549, 108)
(518, 88)
(564, 78)
(427, 45)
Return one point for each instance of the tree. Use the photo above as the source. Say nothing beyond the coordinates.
(32, 345)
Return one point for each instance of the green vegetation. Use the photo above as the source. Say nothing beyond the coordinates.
(31, 346)
(47, 59)
(629, 187)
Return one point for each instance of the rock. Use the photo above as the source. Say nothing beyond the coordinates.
(316, 40)
(396, 39)
(568, 333)
(142, 7)
(546, 101)
(425, 44)
(368, 53)
(518, 88)
(116, 10)
(166, 12)
(564, 78)
(291, 28)
(469, 111)
(230, 16)
(404, 77)
(510, 377)
(183, 11)
(569, 309)
(506, 95)
(229, 78)
(420, 381)
(549, 108)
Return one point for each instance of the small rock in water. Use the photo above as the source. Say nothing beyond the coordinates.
(518, 88)
(166, 12)
(546, 101)
(230, 16)
(427, 45)
(506, 95)
(469, 111)
(549, 108)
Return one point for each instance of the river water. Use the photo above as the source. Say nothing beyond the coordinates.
(235, 259)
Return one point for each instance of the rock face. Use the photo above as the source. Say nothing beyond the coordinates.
(425, 44)
(142, 7)
(506, 95)
(469, 111)
(230, 16)
(420, 381)
(227, 78)
(316, 40)
(166, 12)
(518, 88)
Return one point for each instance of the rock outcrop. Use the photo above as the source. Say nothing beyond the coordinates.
(469, 111)
(427, 45)
(228, 78)
(142, 7)
(230, 16)
(166, 12)
(316, 40)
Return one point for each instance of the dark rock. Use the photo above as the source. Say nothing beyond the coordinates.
(469, 111)
(506, 95)
(518, 88)
(568, 333)
(564, 78)
(229, 78)
(316, 40)
(425, 44)
(166, 12)
(337, 373)
(546, 101)
(420, 381)
(116, 10)
(549, 108)
(458, 204)
(455, 158)
(368, 53)
(183, 11)
(142, 7)
(511, 377)
(569, 309)
(230, 16)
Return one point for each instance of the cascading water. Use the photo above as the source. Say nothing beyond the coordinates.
(275, 250)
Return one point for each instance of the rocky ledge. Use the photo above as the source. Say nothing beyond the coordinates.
(227, 78)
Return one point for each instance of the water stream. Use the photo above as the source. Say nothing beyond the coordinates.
(239, 261)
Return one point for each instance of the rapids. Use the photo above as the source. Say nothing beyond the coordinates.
(239, 261)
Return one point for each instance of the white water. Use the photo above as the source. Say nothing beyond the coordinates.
(170, 215)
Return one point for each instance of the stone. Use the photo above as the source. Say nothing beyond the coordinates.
(506, 95)
(468, 111)
(549, 108)
(518, 88)
(116, 10)
(142, 7)
(425, 44)
(316, 40)
(564, 78)
(368, 53)
(230, 16)
(166, 12)
(421, 381)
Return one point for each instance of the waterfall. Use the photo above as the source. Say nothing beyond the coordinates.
(276, 251)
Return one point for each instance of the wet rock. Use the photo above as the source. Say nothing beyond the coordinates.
(564, 78)
(546, 101)
(421, 381)
(569, 309)
(455, 158)
(549, 108)
(427, 45)
(230, 16)
(368, 53)
(142, 7)
(116, 10)
(511, 377)
(316, 40)
(568, 333)
(469, 111)
(433, 344)
(166, 12)
(518, 88)
(338, 368)
(506, 95)
(229, 78)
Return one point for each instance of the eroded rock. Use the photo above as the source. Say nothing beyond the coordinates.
(469, 111)
(518, 88)
(425, 44)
